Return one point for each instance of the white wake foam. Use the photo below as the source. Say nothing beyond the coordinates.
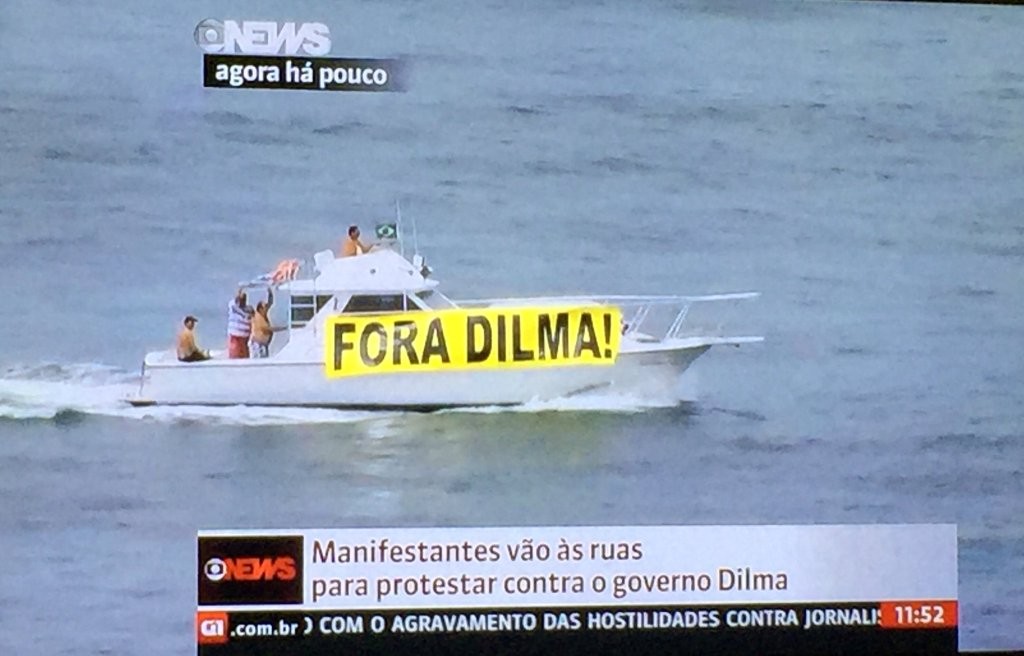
(590, 402)
(604, 400)
(45, 391)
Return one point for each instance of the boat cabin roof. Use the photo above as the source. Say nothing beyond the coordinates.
(379, 271)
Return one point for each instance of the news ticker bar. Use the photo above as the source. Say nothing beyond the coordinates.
(768, 628)
(303, 73)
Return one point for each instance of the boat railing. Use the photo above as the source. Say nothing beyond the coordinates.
(636, 310)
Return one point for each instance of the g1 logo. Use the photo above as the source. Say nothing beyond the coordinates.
(211, 628)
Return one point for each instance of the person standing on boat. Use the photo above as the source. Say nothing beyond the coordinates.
(262, 331)
(352, 246)
(187, 349)
(239, 326)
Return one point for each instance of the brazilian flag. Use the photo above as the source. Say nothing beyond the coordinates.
(387, 231)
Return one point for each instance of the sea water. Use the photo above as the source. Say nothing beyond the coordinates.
(858, 164)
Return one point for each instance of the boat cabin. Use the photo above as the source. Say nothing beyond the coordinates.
(379, 281)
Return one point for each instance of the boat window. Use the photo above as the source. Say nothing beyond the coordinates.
(381, 303)
(301, 314)
(304, 307)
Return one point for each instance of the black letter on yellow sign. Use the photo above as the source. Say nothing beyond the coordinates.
(501, 338)
(405, 342)
(587, 337)
(607, 334)
(340, 345)
(518, 354)
(435, 343)
(560, 337)
(374, 328)
(472, 353)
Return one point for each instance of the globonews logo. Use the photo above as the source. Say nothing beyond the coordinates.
(211, 628)
(250, 570)
(262, 37)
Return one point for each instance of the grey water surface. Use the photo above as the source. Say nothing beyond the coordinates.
(860, 164)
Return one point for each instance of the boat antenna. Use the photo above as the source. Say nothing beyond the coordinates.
(398, 220)
(416, 237)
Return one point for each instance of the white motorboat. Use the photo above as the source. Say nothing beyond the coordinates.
(374, 332)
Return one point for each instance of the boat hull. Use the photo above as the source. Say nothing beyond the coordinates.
(304, 384)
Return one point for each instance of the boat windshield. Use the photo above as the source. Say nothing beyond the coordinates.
(434, 300)
(379, 303)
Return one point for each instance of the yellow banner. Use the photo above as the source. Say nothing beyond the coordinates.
(487, 338)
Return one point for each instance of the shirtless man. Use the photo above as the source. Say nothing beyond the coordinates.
(187, 349)
(262, 331)
(352, 246)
